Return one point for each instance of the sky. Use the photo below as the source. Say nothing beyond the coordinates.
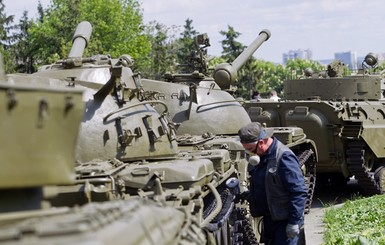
(323, 26)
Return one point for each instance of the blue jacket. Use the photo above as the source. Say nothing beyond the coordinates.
(278, 187)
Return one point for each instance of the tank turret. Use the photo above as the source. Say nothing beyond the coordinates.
(197, 101)
(117, 122)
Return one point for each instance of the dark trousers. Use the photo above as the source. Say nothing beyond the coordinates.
(274, 233)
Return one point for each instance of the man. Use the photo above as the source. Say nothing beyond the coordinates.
(255, 96)
(274, 96)
(277, 188)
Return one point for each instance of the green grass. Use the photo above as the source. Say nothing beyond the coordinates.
(361, 221)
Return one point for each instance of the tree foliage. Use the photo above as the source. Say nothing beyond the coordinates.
(20, 48)
(51, 37)
(118, 29)
(6, 27)
(162, 54)
(231, 47)
(117, 26)
(186, 43)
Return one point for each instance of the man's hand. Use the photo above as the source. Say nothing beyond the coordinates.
(292, 231)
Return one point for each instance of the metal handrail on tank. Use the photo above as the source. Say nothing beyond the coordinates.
(217, 102)
(135, 105)
(99, 180)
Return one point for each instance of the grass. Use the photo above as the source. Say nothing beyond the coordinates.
(357, 222)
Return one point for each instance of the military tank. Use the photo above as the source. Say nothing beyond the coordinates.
(131, 146)
(207, 116)
(41, 118)
(344, 115)
(198, 99)
(126, 149)
(40, 121)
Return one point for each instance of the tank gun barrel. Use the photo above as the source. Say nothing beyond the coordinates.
(80, 39)
(225, 73)
(264, 35)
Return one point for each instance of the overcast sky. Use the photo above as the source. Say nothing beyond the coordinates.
(323, 26)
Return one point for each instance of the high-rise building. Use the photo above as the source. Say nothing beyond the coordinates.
(306, 54)
(349, 58)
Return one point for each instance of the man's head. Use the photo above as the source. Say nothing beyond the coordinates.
(255, 138)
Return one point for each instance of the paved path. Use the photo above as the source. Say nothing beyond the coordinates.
(314, 228)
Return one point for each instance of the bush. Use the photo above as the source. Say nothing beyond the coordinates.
(360, 221)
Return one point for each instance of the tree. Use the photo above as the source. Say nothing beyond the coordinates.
(231, 47)
(271, 77)
(21, 48)
(163, 50)
(117, 29)
(117, 26)
(5, 39)
(40, 11)
(186, 44)
(51, 37)
(297, 67)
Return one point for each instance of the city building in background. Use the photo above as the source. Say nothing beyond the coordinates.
(306, 54)
(349, 58)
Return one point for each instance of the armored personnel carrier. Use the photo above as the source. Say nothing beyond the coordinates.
(344, 115)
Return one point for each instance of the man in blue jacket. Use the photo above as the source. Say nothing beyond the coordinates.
(277, 188)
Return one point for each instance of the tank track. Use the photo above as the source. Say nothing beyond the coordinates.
(242, 232)
(243, 229)
(356, 165)
(307, 158)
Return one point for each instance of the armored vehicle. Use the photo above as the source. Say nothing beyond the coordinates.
(131, 145)
(344, 115)
(127, 150)
(42, 118)
(207, 116)
(33, 119)
(40, 122)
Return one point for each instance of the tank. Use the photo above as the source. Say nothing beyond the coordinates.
(40, 122)
(344, 115)
(137, 151)
(207, 116)
(198, 98)
(127, 150)
(33, 118)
